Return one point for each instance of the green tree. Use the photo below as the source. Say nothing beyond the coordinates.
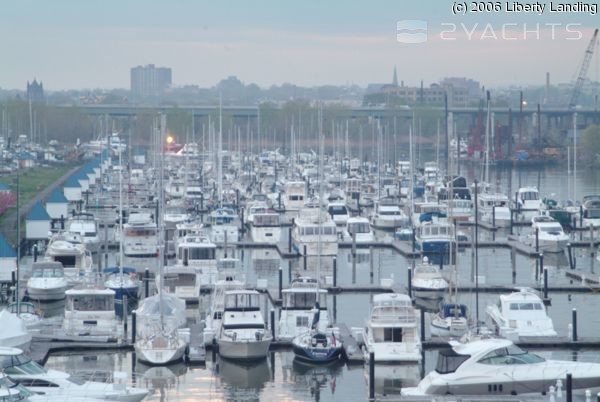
(590, 144)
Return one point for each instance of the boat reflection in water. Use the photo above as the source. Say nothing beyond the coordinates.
(160, 379)
(391, 378)
(315, 378)
(242, 380)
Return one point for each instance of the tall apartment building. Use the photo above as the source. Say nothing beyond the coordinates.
(149, 81)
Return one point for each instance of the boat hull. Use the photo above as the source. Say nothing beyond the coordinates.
(244, 350)
(317, 355)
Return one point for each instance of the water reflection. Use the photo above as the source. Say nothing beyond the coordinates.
(391, 378)
(243, 380)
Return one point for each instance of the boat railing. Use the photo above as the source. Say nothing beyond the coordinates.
(397, 315)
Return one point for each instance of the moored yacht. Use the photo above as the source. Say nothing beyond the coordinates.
(243, 334)
(498, 367)
(47, 281)
(58, 384)
(86, 226)
(315, 233)
(450, 321)
(388, 217)
(550, 234)
(139, 236)
(298, 308)
(427, 281)
(265, 228)
(520, 315)
(360, 229)
(391, 330)
(74, 257)
(91, 311)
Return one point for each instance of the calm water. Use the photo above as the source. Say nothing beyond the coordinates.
(279, 378)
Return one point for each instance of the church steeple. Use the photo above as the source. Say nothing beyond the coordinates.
(395, 80)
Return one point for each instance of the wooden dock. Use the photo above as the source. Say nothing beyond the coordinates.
(352, 350)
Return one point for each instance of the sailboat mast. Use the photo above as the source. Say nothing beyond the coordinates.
(219, 153)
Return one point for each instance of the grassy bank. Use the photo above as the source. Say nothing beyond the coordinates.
(31, 183)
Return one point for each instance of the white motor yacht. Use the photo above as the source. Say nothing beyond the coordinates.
(388, 217)
(550, 234)
(520, 314)
(498, 367)
(53, 383)
(91, 311)
(297, 308)
(243, 334)
(427, 281)
(528, 203)
(338, 212)
(214, 317)
(265, 228)
(181, 281)
(86, 226)
(360, 228)
(14, 331)
(47, 281)
(74, 257)
(314, 233)
(451, 321)
(391, 332)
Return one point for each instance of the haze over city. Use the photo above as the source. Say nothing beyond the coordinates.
(74, 45)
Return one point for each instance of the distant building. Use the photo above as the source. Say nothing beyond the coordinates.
(458, 90)
(35, 91)
(149, 81)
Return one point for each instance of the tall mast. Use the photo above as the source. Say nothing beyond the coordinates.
(219, 153)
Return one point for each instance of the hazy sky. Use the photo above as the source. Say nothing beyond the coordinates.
(89, 44)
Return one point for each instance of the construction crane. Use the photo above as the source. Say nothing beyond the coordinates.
(585, 64)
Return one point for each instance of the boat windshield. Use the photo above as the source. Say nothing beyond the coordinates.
(449, 361)
(529, 195)
(19, 364)
(337, 210)
(510, 355)
(48, 273)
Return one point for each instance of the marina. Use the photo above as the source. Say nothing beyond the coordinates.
(302, 233)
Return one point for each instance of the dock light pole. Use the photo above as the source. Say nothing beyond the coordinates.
(18, 244)
(476, 256)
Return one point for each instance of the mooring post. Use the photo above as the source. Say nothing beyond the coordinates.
(290, 237)
(133, 326)
(409, 271)
(592, 248)
(371, 263)
(335, 272)
(371, 376)
(570, 254)
(545, 281)
(280, 283)
(513, 263)
(569, 387)
(146, 282)
(243, 229)
(35, 252)
(273, 323)
(494, 217)
(304, 257)
(511, 221)
(422, 311)
(124, 312)
(574, 325)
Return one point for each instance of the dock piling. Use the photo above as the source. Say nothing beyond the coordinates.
(133, 326)
(35, 253)
(422, 311)
(280, 283)
(574, 325)
(124, 307)
(304, 257)
(409, 271)
(335, 272)
(146, 282)
(570, 254)
(273, 323)
(371, 376)
(371, 263)
(569, 387)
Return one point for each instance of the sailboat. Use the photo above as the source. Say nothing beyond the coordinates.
(161, 338)
(451, 320)
(120, 279)
(317, 346)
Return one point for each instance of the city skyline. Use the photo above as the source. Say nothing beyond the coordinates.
(69, 45)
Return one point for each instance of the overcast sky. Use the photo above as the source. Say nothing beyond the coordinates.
(74, 44)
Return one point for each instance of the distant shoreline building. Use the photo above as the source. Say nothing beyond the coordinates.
(35, 91)
(149, 81)
(460, 92)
